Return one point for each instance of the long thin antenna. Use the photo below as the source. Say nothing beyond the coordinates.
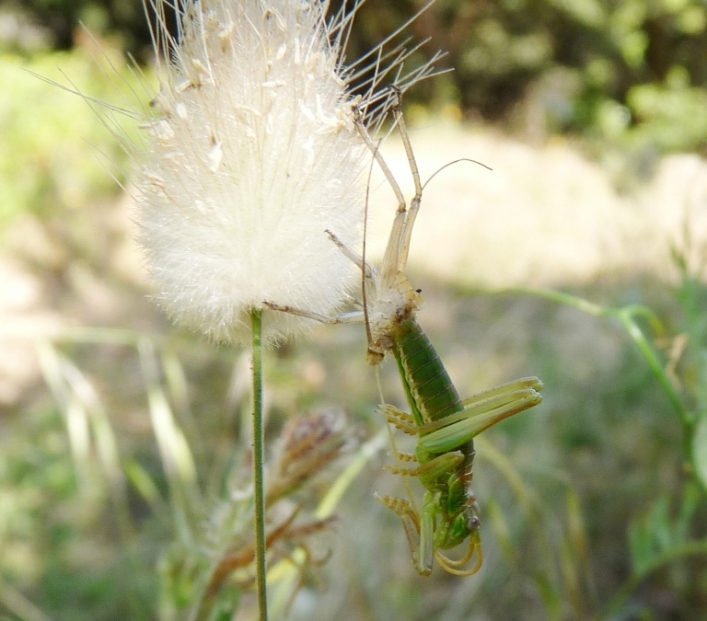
(448, 164)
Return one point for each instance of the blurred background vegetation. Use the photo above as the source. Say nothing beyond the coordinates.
(122, 446)
(629, 70)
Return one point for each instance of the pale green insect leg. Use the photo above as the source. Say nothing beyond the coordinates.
(399, 419)
(432, 470)
(441, 464)
(508, 389)
(458, 433)
(430, 509)
(411, 524)
(484, 402)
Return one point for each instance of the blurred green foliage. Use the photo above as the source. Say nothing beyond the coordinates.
(631, 72)
(669, 535)
(55, 152)
(117, 500)
(596, 503)
(48, 508)
(53, 23)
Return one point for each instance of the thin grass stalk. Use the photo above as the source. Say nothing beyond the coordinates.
(258, 459)
(626, 315)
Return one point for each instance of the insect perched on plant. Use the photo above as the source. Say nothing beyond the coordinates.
(444, 424)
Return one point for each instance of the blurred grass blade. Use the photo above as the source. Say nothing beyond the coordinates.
(699, 450)
(174, 448)
(579, 542)
(19, 605)
(656, 536)
(175, 454)
(499, 525)
(84, 412)
(639, 548)
(176, 380)
(178, 391)
(74, 414)
(691, 501)
(106, 443)
(574, 555)
(570, 577)
(488, 451)
(364, 454)
(651, 562)
(575, 527)
(549, 595)
(145, 486)
(626, 316)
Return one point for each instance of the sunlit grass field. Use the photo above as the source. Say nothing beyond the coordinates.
(124, 443)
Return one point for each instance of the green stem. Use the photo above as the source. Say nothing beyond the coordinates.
(257, 323)
(689, 548)
(626, 316)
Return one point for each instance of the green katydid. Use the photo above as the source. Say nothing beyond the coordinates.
(444, 424)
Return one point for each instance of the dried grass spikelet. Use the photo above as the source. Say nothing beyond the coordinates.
(308, 445)
(249, 156)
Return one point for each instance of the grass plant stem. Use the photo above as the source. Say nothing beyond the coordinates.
(258, 441)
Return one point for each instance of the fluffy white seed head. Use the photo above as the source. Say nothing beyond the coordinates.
(251, 156)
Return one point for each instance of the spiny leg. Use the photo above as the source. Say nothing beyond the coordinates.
(398, 247)
(411, 524)
(419, 529)
(420, 533)
(399, 456)
(399, 419)
(373, 147)
(406, 423)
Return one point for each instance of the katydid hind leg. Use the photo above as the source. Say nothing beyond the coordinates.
(509, 388)
(404, 247)
(458, 433)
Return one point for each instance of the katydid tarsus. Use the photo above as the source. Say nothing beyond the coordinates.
(444, 424)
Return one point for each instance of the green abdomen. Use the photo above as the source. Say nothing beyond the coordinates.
(429, 390)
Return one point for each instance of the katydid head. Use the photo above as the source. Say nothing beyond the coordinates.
(459, 567)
